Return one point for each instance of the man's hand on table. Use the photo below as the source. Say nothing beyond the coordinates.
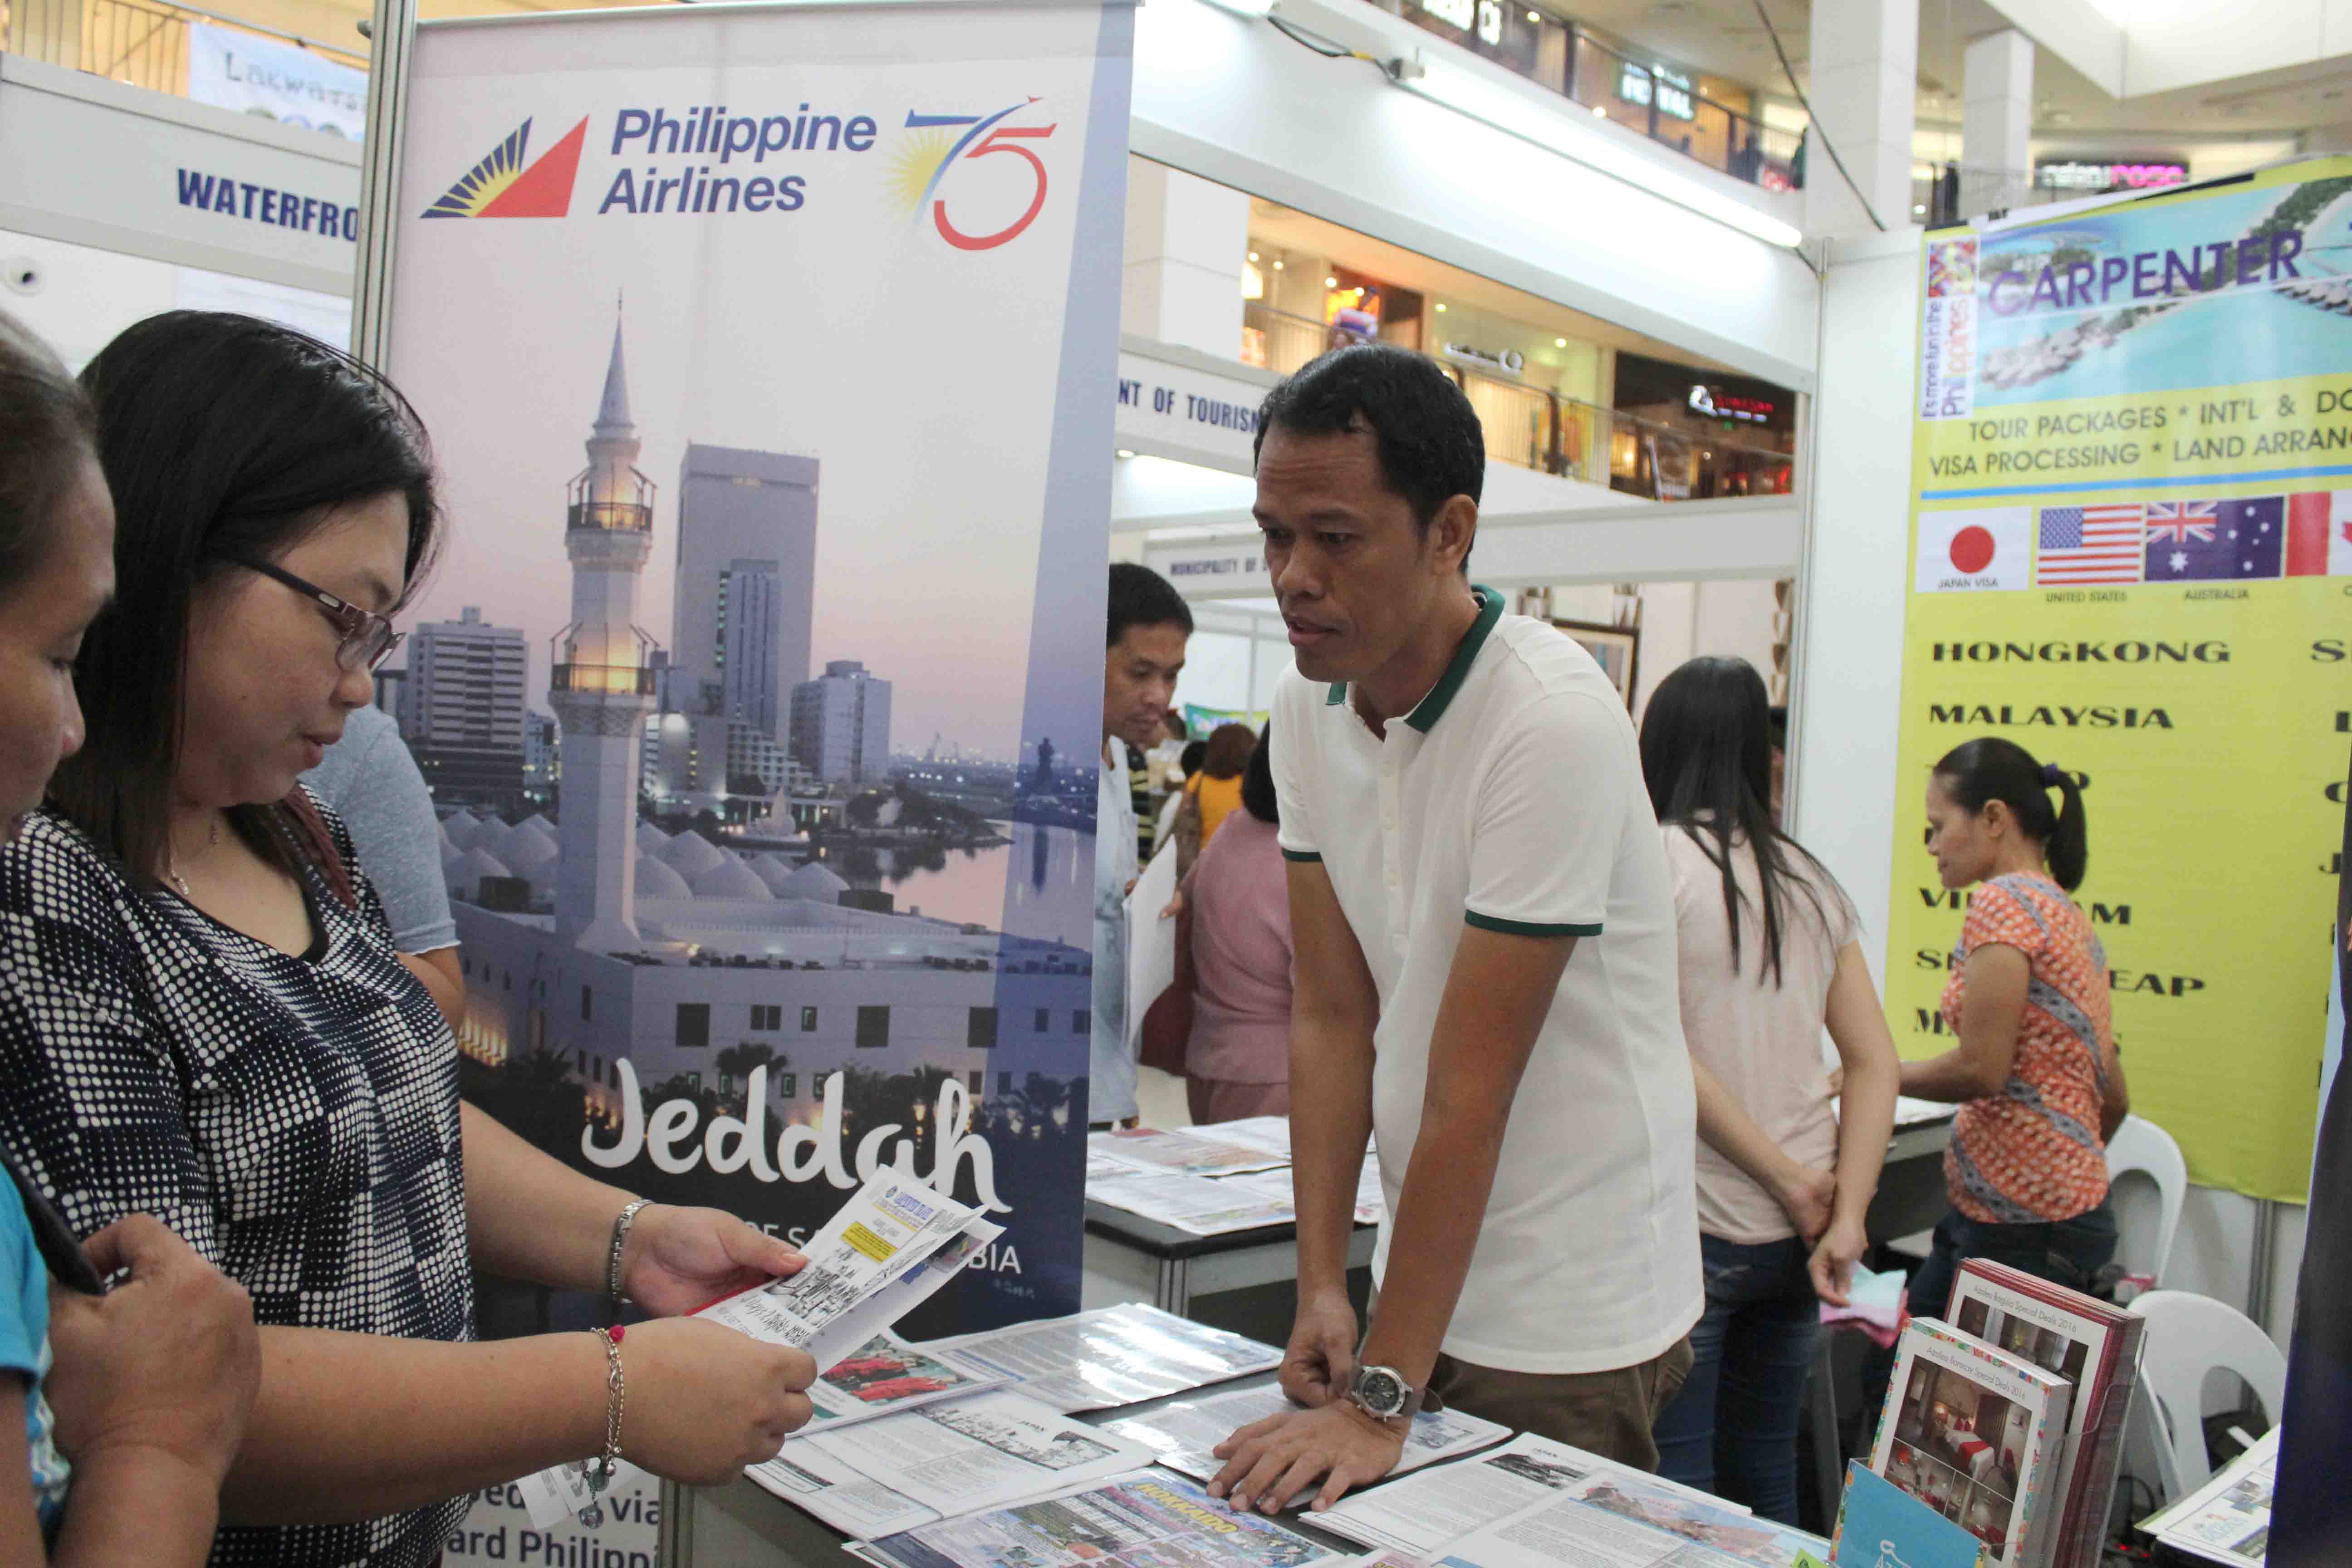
(1322, 1357)
(1270, 1462)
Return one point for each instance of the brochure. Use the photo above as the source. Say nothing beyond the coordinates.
(1150, 1519)
(1879, 1523)
(1422, 1513)
(821, 1486)
(887, 1373)
(1268, 1134)
(1199, 1153)
(2228, 1520)
(1183, 1435)
(984, 1451)
(1114, 1356)
(1196, 1204)
(1977, 1434)
(2093, 1344)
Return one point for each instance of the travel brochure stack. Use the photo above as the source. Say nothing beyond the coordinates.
(2008, 1420)
(1233, 1176)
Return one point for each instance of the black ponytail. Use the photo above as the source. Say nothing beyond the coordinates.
(1978, 771)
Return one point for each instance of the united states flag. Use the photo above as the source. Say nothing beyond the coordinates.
(2090, 544)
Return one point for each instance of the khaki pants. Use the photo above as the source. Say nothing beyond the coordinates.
(1604, 1413)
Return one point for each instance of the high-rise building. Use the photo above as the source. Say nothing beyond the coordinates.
(542, 755)
(461, 709)
(745, 598)
(841, 724)
(600, 684)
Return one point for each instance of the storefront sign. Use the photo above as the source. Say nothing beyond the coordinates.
(2086, 175)
(1227, 569)
(252, 75)
(1671, 88)
(1172, 408)
(2132, 555)
(1710, 403)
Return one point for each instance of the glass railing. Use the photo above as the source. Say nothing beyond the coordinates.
(1645, 96)
(138, 42)
(1532, 426)
(613, 680)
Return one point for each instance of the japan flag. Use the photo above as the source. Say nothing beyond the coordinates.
(1975, 551)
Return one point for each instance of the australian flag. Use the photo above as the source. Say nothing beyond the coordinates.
(2215, 542)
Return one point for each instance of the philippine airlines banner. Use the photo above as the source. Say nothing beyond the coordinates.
(2132, 555)
(769, 356)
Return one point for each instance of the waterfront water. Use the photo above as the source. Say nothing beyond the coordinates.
(1052, 894)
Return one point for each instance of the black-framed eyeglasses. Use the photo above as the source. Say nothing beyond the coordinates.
(368, 637)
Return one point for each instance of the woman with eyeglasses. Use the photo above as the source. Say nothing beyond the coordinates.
(211, 1023)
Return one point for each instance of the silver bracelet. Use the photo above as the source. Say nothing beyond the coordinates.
(600, 1472)
(622, 1222)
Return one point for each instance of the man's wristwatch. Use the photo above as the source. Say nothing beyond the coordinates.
(1382, 1394)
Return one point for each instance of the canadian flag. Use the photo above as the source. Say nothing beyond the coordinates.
(2319, 535)
(1985, 548)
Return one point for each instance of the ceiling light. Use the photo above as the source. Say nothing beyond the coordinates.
(1125, 453)
(1278, 266)
(1516, 115)
(1560, 342)
(1440, 306)
(1532, 17)
(1918, 209)
(1253, 256)
(1331, 282)
(1600, 110)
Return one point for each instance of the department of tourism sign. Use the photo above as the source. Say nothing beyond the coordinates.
(2132, 555)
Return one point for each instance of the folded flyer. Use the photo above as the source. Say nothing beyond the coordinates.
(1113, 1356)
(885, 1374)
(1150, 1519)
(2228, 1520)
(1977, 1434)
(1878, 1522)
(1181, 1434)
(986, 1451)
(1627, 1519)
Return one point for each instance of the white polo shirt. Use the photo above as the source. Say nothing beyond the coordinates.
(1511, 798)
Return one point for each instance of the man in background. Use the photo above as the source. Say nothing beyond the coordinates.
(1149, 626)
(369, 779)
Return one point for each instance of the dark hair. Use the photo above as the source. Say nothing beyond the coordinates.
(1977, 772)
(1190, 759)
(46, 430)
(1430, 446)
(1173, 723)
(1141, 597)
(1257, 782)
(1706, 756)
(1229, 750)
(220, 435)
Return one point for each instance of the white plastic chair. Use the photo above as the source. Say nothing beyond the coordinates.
(2141, 1145)
(2188, 1337)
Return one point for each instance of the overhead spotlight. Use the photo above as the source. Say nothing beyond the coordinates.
(1125, 453)
(1533, 17)
(1600, 111)
(1918, 209)
(1440, 307)
(1278, 266)
(1253, 256)
(1331, 282)
(1560, 342)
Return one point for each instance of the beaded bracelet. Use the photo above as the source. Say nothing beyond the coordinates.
(599, 1472)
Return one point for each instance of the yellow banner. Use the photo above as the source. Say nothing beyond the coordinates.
(2132, 555)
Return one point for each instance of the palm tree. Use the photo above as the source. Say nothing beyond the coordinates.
(738, 1063)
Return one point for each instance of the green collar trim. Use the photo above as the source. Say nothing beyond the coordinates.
(1432, 708)
(1338, 694)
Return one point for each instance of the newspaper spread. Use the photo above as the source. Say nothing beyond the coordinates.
(820, 1485)
(2229, 1520)
(1267, 1134)
(1181, 1153)
(1150, 1519)
(1183, 1435)
(1421, 1513)
(1118, 1355)
(986, 1451)
(1197, 1204)
(885, 1374)
(1619, 1519)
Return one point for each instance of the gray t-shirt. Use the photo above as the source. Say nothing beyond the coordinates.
(369, 779)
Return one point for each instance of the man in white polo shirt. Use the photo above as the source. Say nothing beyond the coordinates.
(1484, 926)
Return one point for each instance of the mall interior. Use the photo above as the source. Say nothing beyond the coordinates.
(1676, 255)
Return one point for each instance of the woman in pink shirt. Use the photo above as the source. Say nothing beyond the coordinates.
(1234, 949)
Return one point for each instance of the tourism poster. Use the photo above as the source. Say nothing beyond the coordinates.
(768, 356)
(2132, 555)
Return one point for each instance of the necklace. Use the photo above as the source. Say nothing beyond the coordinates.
(171, 861)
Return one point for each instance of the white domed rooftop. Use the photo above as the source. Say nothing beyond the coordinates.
(650, 838)
(772, 870)
(466, 876)
(460, 829)
(730, 878)
(450, 856)
(540, 822)
(690, 855)
(528, 849)
(814, 882)
(656, 880)
(492, 837)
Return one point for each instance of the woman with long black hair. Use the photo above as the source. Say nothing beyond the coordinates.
(207, 1021)
(1769, 957)
(2036, 1075)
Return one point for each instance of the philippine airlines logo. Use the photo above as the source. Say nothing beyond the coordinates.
(503, 185)
(942, 144)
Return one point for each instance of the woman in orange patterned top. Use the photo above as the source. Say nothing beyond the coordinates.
(2036, 1076)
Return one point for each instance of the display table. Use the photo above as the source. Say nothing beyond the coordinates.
(741, 1526)
(1131, 1258)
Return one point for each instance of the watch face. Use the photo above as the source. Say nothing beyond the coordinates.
(1382, 1391)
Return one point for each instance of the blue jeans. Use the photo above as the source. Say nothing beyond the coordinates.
(1732, 1428)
